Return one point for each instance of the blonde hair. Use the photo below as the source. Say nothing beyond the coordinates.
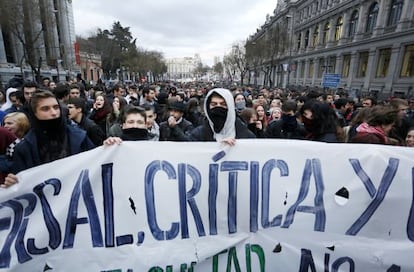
(22, 122)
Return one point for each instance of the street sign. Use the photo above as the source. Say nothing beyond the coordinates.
(331, 80)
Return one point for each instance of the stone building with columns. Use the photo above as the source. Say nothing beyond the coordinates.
(47, 25)
(182, 68)
(368, 43)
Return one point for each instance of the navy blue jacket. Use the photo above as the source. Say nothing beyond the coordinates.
(26, 154)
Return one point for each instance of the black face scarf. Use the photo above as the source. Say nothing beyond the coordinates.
(308, 124)
(51, 139)
(252, 127)
(289, 122)
(134, 134)
(52, 127)
(218, 115)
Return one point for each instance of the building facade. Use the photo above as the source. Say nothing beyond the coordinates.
(182, 68)
(91, 67)
(40, 34)
(369, 44)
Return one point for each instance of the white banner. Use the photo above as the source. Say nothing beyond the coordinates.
(263, 205)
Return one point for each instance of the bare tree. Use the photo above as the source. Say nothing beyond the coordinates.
(235, 62)
(264, 52)
(255, 56)
(276, 43)
(218, 68)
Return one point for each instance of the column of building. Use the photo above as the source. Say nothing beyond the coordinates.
(331, 33)
(346, 16)
(66, 44)
(37, 34)
(382, 17)
(371, 67)
(338, 63)
(54, 38)
(310, 38)
(320, 35)
(362, 20)
(3, 58)
(316, 63)
(353, 68)
(299, 75)
(309, 71)
(305, 70)
(393, 69)
(301, 42)
(407, 15)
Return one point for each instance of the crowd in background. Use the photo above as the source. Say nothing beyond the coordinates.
(168, 111)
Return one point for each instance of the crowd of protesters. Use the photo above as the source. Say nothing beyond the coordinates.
(49, 121)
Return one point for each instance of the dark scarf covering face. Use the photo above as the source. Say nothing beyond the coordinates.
(101, 113)
(252, 127)
(309, 126)
(51, 138)
(289, 122)
(218, 116)
(134, 134)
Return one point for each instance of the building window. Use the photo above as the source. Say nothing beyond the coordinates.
(353, 23)
(395, 12)
(363, 64)
(326, 33)
(372, 17)
(407, 69)
(322, 67)
(311, 69)
(331, 64)
(299, 38)
(307, 39)
(345, 66)
(383, 62)
(302, 69)
(316, 36)
(338, 28)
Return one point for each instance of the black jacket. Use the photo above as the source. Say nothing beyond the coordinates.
(204, 133)
(178, 133)
(26, 154)
(93, 131)
(277, 129)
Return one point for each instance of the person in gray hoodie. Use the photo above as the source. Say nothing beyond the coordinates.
(221, 124)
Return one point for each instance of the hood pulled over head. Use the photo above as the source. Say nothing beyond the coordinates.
(221, 121)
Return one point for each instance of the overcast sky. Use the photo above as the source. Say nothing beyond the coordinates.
(177, 28)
